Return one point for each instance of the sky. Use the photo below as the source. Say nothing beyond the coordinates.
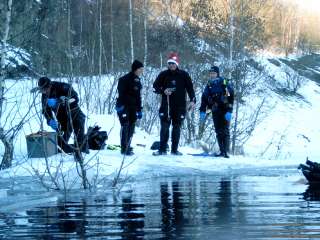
(311, 5)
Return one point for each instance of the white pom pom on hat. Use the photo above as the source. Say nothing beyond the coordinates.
(173, 58)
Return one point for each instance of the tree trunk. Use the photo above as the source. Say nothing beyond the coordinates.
(131, 30)
(8, 152)
(8, 143)
(145, 23)
(235, 127)
(3, 52)
(111, 36)
(231, 38)
(70, 55)
(100, 58)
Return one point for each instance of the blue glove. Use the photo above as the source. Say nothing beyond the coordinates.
(120, 109)
(228, 116)
(52, 102)
(53, 124)
(202, 116)
(139, 115)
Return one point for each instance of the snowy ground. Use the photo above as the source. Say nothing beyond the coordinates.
(284, 139)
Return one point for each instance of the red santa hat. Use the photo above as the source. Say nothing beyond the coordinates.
(173, 58)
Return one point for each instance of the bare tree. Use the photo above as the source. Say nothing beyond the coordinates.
(7, 141)
(231, 29)
(293, 81)
(3, 52)
(111, 36)
(145, 25)
(151, 101)
(99, 103)
(131, 30)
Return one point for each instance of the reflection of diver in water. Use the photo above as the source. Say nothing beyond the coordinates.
(172, 213)
(224, 203)
(166, 209)
(132, 221)
(72, 218)
(60, 221)
(312, 193)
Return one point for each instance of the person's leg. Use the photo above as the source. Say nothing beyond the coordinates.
(81, 140)
(164, 134)
(131, 127)
(165, 122)
(226, 137)
(127, 122)
(218, 121)
(124, 136)
(64, 135)
(124, 131)
(177, 120)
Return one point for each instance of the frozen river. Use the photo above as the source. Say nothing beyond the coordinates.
(255, 204)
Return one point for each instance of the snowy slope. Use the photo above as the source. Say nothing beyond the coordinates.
(285, 138)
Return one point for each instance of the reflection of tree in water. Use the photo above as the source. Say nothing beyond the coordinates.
(132, 221)
(172, 213)
(312, 193)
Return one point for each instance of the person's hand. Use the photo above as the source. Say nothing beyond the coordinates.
(120, 109)
(202, 116)
(53, 124)
(228, 116)
(52, 102)
(139, 115)
(168, 91)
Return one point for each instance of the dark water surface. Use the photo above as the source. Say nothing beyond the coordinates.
(258, 205)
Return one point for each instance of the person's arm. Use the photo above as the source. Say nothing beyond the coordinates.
(230, 98)
(204, 99)
(139, 100)
(189, 88)
(46, 110)
(70, 94)
(158, 84)
(121, 92)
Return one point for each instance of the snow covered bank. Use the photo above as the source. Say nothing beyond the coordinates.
(285, 138)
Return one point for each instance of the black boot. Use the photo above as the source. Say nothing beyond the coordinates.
(176, 152)
(159, 153)
(221, 154)
(225, 155)
(128, 152)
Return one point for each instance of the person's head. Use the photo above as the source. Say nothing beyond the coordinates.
(214, 72)
(137, 68)
(44, 85)
(173, 61)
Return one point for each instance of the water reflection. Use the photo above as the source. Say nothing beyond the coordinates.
(67, 218)
(178, 208)
(224, 204)
(312, 193)
(131, 220)
(172, 210)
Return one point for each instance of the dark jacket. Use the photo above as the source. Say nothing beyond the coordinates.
(182, 84)
(59, 90)
(129, 92)
(218, 95)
